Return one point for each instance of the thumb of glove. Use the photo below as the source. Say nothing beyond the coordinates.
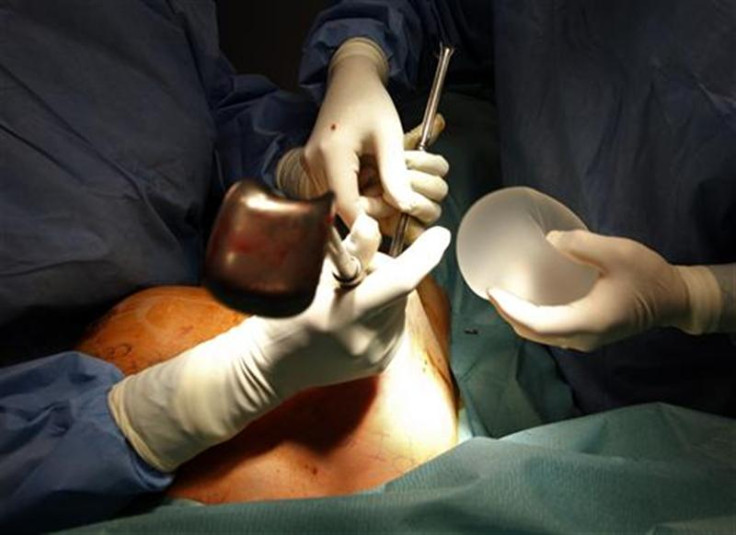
(581, 246)
(397, 277)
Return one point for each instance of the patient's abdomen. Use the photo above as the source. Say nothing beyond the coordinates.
(322, 442)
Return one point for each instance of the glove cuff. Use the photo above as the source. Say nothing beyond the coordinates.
(725, 275)
(116, 402)
(178, 408)
(291, 178)
(363, 48)
(704, 300)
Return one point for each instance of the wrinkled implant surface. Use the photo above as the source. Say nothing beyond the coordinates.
(501, 243)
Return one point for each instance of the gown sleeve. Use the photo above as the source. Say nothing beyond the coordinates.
(64, 461)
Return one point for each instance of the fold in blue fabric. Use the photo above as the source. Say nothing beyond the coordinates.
(110, 118)
(111, 114)
(64, 462)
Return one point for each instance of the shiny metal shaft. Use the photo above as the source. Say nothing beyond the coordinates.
(348, 269)
(430, 111)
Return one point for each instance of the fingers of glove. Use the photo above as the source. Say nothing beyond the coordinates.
(425, 179)
(558, 321)
(376, 207)
(413, 136)
(339, 166)
(425, 210)
(396, 277)
(432, 190)
(392, 170)
(426, 161)
(387, 226)
(580, 341)
(587, 247)
(428, 185)
(364, 239)
(528, 334)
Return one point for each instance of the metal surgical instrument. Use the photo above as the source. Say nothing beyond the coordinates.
(397, 243)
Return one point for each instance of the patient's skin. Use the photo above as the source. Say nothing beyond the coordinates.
(322, 442)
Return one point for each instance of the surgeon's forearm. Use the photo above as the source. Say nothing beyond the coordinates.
(712, 298)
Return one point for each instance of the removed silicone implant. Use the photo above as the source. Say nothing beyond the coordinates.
(501, 243)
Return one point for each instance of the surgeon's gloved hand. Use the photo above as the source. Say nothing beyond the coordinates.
(636, 290)
(425, 171)
(426, 174)
(358, 121)
(173, 411)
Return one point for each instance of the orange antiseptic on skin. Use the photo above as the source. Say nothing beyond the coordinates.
(322, 442)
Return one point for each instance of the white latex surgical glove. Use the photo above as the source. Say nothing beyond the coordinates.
(206, 395)
(358, 122)
(426, 173)
(636, 290)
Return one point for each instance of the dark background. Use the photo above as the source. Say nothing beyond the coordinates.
(266, 37)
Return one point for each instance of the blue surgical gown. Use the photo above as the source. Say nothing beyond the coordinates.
(623, 110)
(121, 125)
(109, 117)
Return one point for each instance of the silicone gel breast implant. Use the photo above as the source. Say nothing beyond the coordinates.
(501, 243)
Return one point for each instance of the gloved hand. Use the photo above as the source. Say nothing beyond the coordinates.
(636, 290)
(358, 125)
(425, 171)
(173, 411)
(426, 174)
